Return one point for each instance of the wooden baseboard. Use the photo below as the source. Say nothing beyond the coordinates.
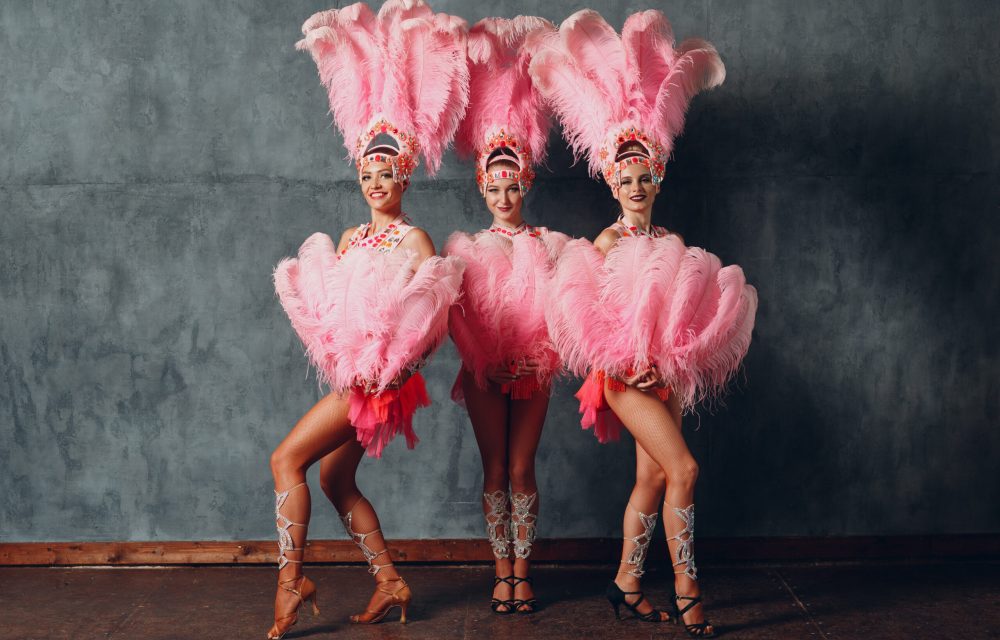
(461, 551)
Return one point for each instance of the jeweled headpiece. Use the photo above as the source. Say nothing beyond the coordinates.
(507, 118)
(610, 92)
(398, 81)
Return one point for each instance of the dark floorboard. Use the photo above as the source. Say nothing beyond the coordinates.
(939, 602)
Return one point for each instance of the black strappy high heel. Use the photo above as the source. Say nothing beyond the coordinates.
(531, 604)
(697, 629)
(496, 603)
(616, 597)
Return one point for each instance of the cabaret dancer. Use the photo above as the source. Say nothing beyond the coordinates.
(498, 324)
(371, 309)
(658, 326)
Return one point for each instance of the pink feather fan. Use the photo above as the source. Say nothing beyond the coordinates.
(500, 317)
(406, 65)
(365, 317)
(601, 85)
(652, 301)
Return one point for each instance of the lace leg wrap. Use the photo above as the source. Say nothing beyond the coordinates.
(523, 518)
(498, 523)
(637, 557)
(285, 542)
(366, 551)
(685, 545)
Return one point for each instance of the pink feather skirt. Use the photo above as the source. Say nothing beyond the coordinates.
(378, 418)
(499, 319)
(365, 317)
(650, 301)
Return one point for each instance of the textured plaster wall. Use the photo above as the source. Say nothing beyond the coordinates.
(159, 158)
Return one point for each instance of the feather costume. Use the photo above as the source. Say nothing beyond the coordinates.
(364, 318)
(398, 85)
(650, 300)
(500, 318)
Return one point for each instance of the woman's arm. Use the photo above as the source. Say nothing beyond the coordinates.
(344, 239)
(606, 240)
(418, 240)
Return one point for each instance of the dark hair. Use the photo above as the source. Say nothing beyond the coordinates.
(631, 148)
(501, 164)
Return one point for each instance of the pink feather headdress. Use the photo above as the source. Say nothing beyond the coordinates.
(507, 118)
(398, 81)
(609, 91)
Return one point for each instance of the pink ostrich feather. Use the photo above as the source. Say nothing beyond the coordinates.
(598, 82)
(501, 92)
(365, 317)
(406, 64)
(653, 301)
(500, 316)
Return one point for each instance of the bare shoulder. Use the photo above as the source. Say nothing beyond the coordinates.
(607, 239)
(345, 238)
(418, 240)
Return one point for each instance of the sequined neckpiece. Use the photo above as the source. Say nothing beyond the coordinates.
(628, 230)
(383, 241)
(524, 227)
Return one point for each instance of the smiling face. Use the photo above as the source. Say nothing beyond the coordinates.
(380, 190)
(637, 191)
(504, 197)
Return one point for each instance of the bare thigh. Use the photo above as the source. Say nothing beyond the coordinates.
(322, 429)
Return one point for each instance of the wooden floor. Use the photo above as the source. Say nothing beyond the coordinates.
(849, 602)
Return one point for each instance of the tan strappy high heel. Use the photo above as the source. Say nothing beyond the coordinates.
(399, 596)
(305, 590)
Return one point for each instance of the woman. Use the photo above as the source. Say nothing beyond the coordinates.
(499, 323)
(657, 325)
(353, 305)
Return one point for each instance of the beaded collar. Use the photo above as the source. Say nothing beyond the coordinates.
(524, 227)
(383, 241)
(627, 230)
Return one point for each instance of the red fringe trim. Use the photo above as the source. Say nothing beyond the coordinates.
(378, 418)
(594, 407)
(520, 389)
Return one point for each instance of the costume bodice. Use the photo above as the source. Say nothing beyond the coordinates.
(625, 230)
(384, 241)
(523, 228)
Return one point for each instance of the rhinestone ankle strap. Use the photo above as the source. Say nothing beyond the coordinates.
(637, 557)
(498, 522)
(685, 546)
(366, 551)
(285, 542)
(522, 517)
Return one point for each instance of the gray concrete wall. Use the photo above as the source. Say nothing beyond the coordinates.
(159, 158)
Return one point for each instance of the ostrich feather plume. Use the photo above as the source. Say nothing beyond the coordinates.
(406, 65)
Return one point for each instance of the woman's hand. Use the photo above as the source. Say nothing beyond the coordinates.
(647, 379)
(505, 374)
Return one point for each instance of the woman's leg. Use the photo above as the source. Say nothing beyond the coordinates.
(324, 428)
(488, 411)
(338, 472)
(640, 519)
(527, 417)
(656, 427)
